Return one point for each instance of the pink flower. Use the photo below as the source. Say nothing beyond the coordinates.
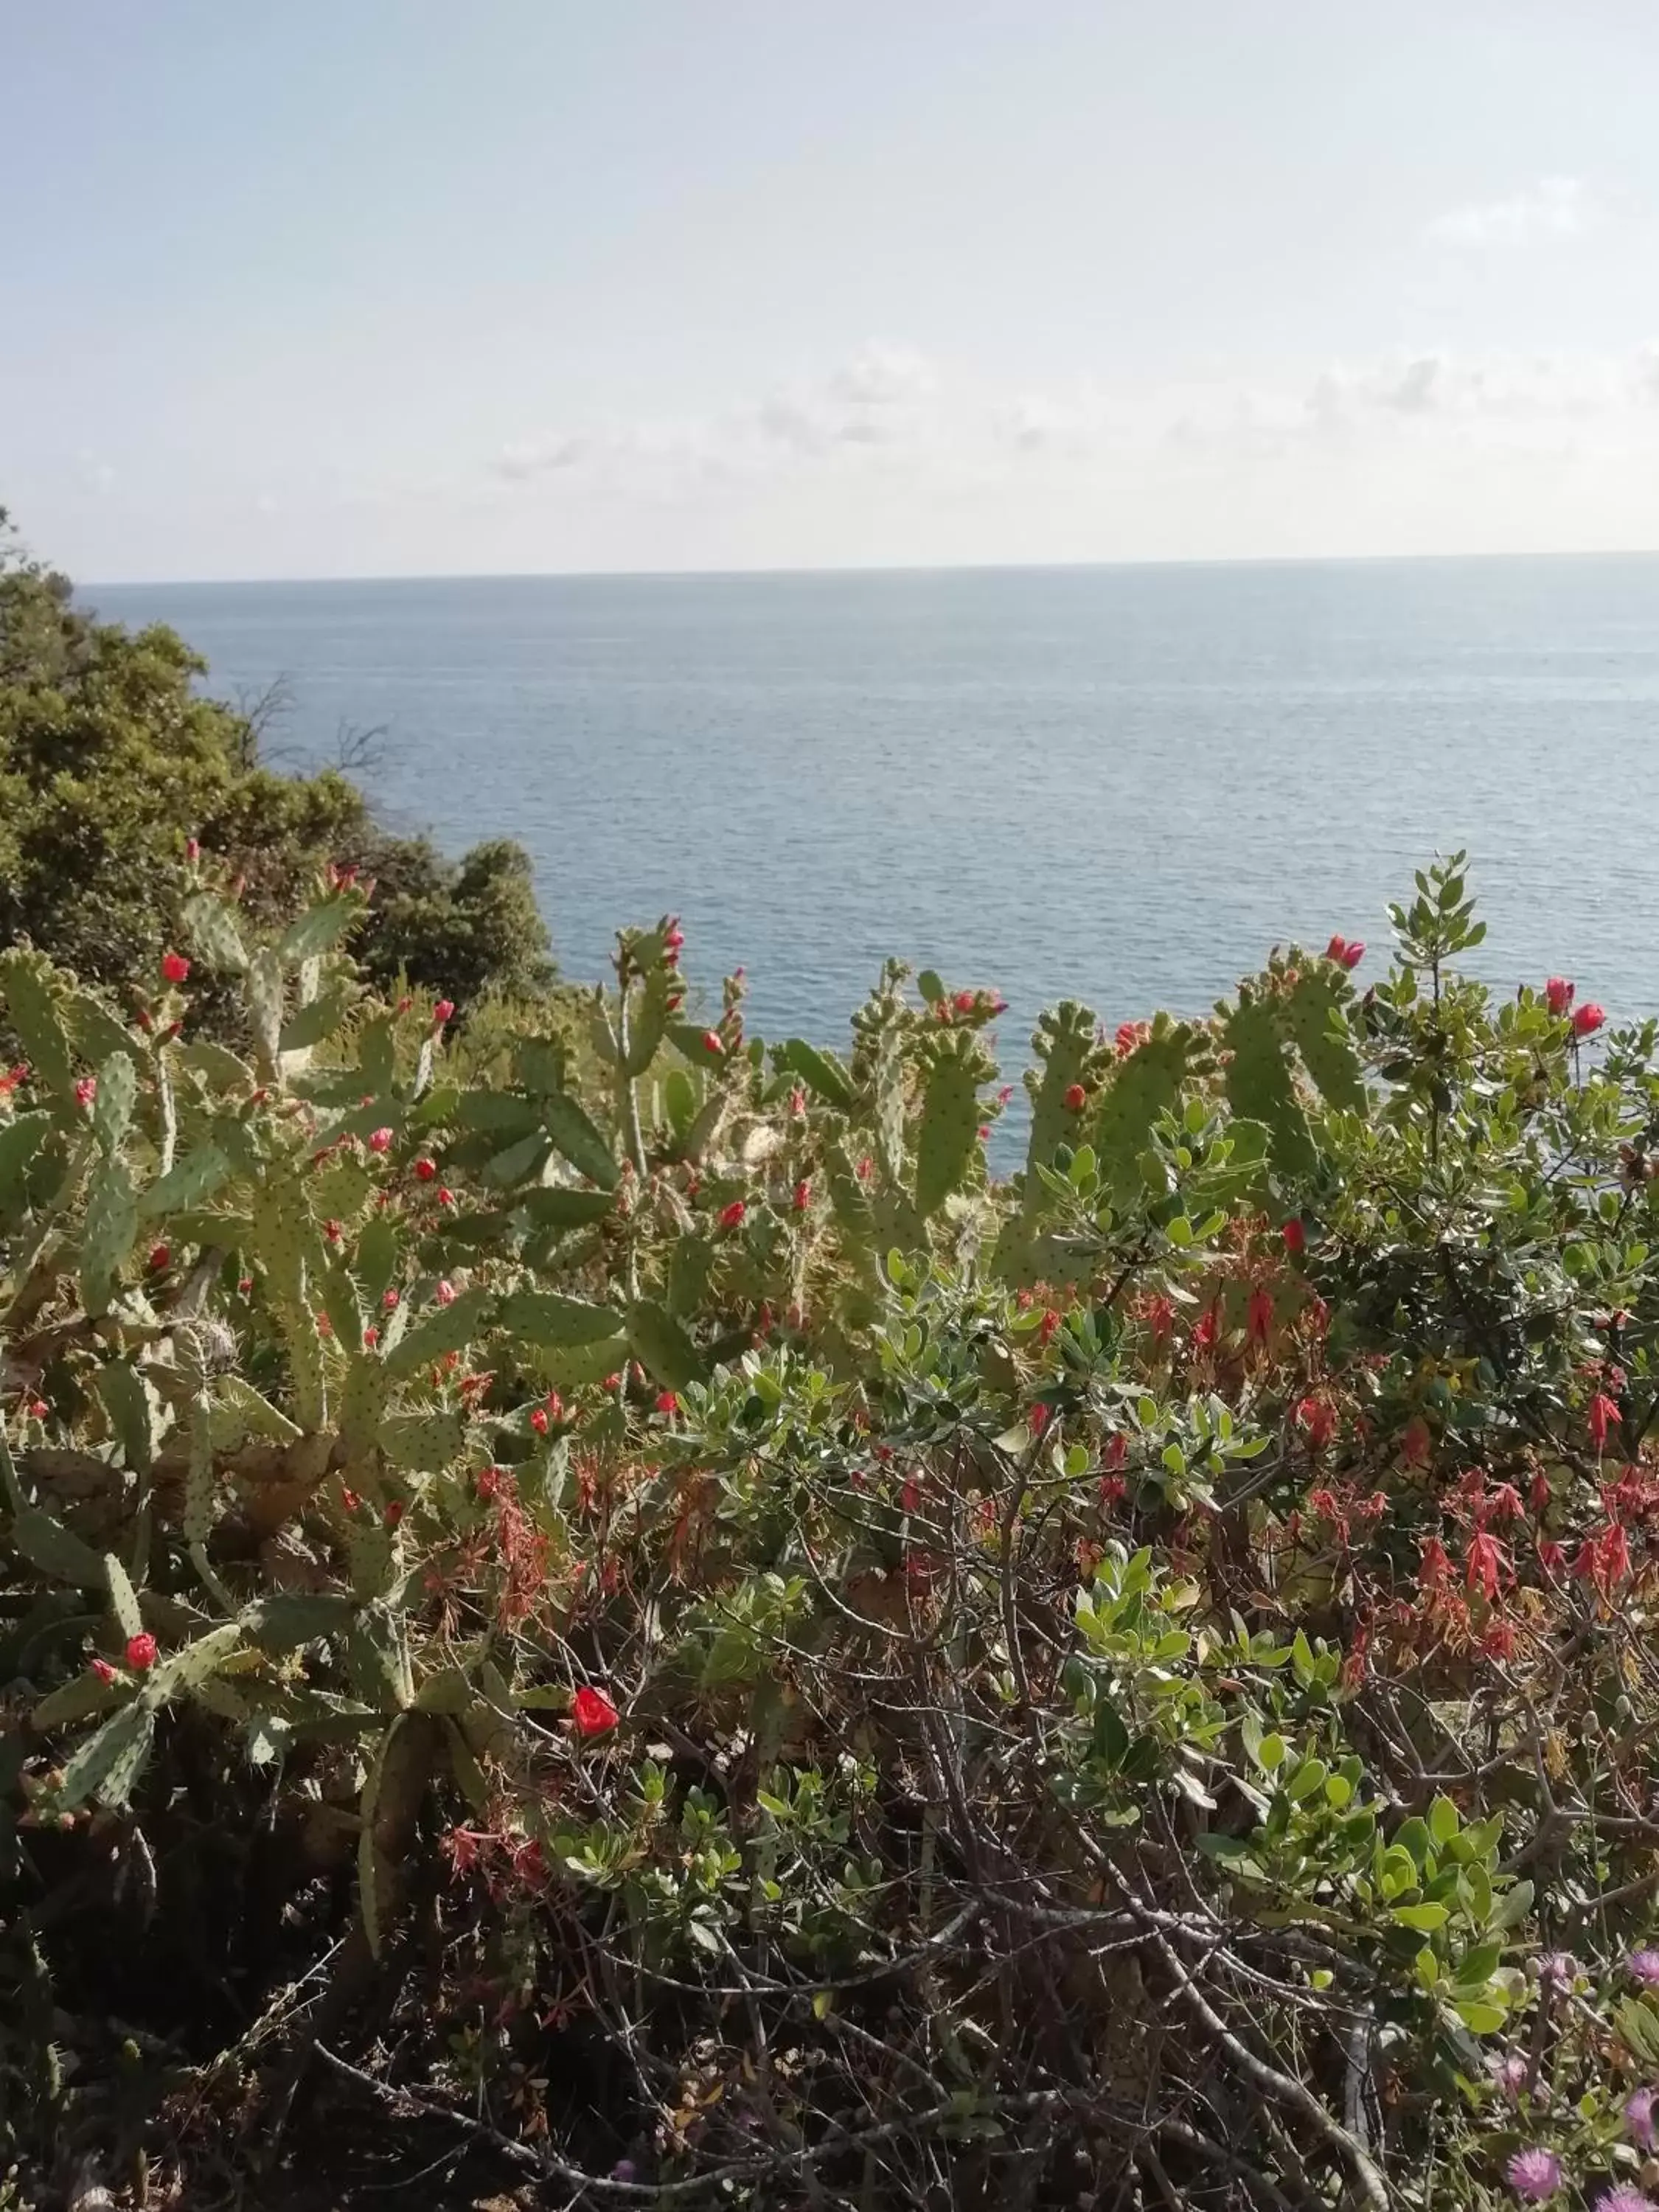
(1638, 2118)
(141, 1653)
(380, 1140)
(1485, 1565)
(592, 1713)
(1623, 2198)
(1509, 2073)
(443, 1011)
(1346, 954)
(1587, 1018)
(86, 1090)
(1534, 2173)
(1643, 1966)
(1558, 994)
(175, 967)
(391, 1300)
(1556, 1969)
(444, 1293)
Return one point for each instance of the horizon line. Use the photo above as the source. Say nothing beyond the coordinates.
(866, 569)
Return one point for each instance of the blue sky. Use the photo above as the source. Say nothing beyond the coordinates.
(383, 286)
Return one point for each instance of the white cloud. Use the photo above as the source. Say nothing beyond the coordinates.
(1553, 209)
(517, 463)
(884, 376)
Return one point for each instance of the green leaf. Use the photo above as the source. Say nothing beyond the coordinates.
(318, 929)
(662, 1346)
(1444, 1822)
(1424, 1918)
(574, 1135)
(546, 1317)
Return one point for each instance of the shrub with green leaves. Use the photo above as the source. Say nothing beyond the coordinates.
(610, 1586)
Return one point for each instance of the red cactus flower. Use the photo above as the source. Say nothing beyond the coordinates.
(1205, 1329)
(1558, 994)
(538, 1419)
(324, 1326)
(160, 1255)
(141, 1653)
(103, 1671)
(37, 1409)
(730, 1216)
(1587, 1018)
(1354, 953)
(86, 1090)
(1114, 1451)
(391, 1300)
(444, 1293)
(1296, 1238)
(175, 968)
(673, 937)
(192, 849)
(443, 1011)
(1317, 1418)
(445, 1197)
(593, 1713)
(1037, 1418)
(394, 1512)
(370, 1337)
(1076, 1097)
(667, 1402)
(380, 1140)
(711, 1043)
(425, 1169)
(612, 1383)
(1337, 949)
(555, 1405)
(1599, 1417)
(802, 1197)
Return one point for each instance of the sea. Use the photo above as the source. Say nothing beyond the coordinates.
(1123, 785)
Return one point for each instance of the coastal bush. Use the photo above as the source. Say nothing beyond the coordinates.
(110, 760)
(615, 1594)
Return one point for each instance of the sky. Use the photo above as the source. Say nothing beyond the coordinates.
(391, 287)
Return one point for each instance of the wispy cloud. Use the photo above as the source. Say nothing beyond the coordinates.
(1552, 209)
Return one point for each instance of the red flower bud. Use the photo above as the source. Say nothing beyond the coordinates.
(538, 1419)
(160, 1256)
(711, 1043)
(141, 1653)
(425, 1169)
(1587, 1018)
(380, 1140)
(37, 1409)
(1076, 1097)
(86, 1090)
(333, 1232)
(444, 1293)
(445, 1197)
(802, 1197)
(192, 849)
(394, 1512)
(1558, 994)
(103, 1670)
(592, 1713)
(667, 1402)
(175, 967)
(443, 1011)
(391, 1300)
(731, 1215)
(1296, 1237)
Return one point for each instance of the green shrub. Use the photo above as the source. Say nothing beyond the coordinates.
(627, 1592)
(110, 761)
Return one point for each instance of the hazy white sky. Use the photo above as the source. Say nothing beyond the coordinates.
(377, 287)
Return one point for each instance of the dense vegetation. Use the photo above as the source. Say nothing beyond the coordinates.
(598, 1590)
(106, 748)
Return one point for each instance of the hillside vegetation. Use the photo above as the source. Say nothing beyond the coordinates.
(594, 1590)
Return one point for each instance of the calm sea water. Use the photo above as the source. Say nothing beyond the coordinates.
(1122, 785)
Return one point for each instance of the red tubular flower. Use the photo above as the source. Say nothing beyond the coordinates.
(443, 1011)
(1558, 994)
(370, 1337)
(175, 968)
(1337, 949)
(1415, 1442)
(1114, 1451)
(1318, 1418)
(1601, 1413)
(1205, 1329)
(1296, 1238)
(1353, 952)
(730, 1216)
(1037, 1418)
(1485, 1565)
(141, 1653)
(1435, 1568)
(592, 1713)
(1076, 1097)
(1540, 1491)
(425, 1169)
(1587, 1018)
(1552, 1556)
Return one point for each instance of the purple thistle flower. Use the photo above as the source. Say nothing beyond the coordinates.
(1509, 2073)
(1624, 2198)
(1534, 2173)
(1643, 1966)
(1638, 2117)
(1559, 1970)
